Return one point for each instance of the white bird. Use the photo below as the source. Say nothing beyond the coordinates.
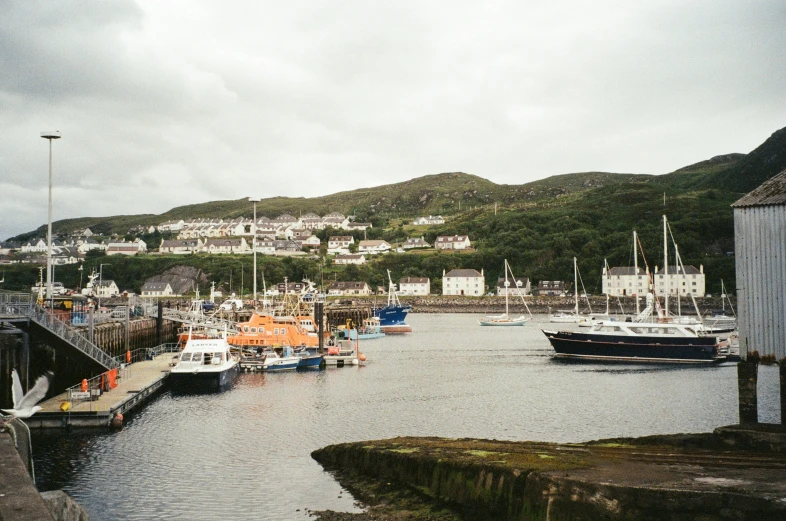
(25, 404)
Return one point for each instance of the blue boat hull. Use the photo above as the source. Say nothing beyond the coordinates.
(392, 315)
(310, 362)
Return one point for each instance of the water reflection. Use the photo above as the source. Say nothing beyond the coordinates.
(245, 453)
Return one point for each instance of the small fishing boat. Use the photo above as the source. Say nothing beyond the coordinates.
(505, 319)
(287, 360)
(204, 365)
(371, 328)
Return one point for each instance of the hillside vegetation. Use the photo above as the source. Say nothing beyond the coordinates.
(539, 227)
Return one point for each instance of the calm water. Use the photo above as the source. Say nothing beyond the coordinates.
(244, 454)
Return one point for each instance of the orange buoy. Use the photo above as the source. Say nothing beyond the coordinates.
(84, 385)
(117, 420)
(128, 357)
(362, 357)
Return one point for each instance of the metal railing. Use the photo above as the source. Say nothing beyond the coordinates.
(196, 319)
(16, 304)
(93, 389)
(71, 335)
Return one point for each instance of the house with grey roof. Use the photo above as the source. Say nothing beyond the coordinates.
(414, 286)
(621, 281)
(466, 282)
(157, 289)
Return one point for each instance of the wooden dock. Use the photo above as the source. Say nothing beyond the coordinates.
(138, 382)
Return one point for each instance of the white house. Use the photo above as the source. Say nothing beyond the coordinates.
(226, 246)
(623, 281)
(349, 259)
(373, 247)
(340, 243)
(452, 242)
(349, 288)
(357, 226)
(516, 286)
(463, 282)
(35, 246)
(414, 286)
(431, 219)
(157, 289)
(105, 288)
(553, 288)
(126, 248)
(90, 245)
(180, 247)
(415, 242)
(309, 242)
(681, 283)
(171, 226)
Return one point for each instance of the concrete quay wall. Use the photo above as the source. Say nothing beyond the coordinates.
(111, 336)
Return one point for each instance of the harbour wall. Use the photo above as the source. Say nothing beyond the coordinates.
(543, 305)
(142, 333)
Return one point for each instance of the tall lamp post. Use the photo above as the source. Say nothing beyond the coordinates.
(101, 283)
(254, 200)
(50, 135)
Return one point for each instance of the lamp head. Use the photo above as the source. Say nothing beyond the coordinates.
(254, 199)
(51, 134)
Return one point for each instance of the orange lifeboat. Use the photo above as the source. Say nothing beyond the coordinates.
(270, 331)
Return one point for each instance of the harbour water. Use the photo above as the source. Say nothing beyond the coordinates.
(245, 453)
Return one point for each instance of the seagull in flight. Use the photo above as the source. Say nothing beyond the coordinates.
(25, 404)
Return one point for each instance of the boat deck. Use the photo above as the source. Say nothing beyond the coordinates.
(137, 383)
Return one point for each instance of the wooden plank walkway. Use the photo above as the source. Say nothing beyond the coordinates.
(137, 383)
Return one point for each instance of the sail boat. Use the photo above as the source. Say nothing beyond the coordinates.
(645, 339)
(505, 319)
(569, 317)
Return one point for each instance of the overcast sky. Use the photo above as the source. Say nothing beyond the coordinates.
(165, 103)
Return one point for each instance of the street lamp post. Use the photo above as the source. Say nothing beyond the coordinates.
(101, 283)
(50, 135)
(254, 200)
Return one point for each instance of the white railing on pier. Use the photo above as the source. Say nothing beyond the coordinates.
(71, 335)
(195, 319)
(24, 305)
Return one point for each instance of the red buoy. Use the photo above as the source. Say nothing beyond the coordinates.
(117, 420)
(84, 385)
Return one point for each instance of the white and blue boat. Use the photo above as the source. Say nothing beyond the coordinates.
(371, 328)
(286, 361)
(205, 365)
(394, 314)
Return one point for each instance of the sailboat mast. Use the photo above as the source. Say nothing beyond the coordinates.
(507, 287)
(665, 269)
(576, 285)
(636, 271)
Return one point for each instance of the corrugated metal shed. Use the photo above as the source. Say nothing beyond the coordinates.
(760, 252)
(772, 191)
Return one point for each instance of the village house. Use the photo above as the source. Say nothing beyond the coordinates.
(105, 288)
(298, 234)
(349, 258)
(415, 242)
(516, 286)
(126, 248)
(357, 226)
(551, 288)
(373, 247)
(180, 247)
(291, 288)
(431, 219)
(309, 242)
(463, 282)
(341, 288)
(219, 246)
(335, 220)
(681, 283)
(157, 289)
(285, 247)
(90, 245)
(266, 246)
(414, 286)
(452, 242)
(171, 226)
(312, 221)
(35, 246)
(340, 243)
(623, 281)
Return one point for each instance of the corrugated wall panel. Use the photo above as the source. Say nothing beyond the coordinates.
(760, 248)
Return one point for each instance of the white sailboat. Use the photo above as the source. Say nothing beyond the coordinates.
(569, 317)
(505, 319)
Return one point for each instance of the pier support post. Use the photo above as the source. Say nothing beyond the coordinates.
(319, 315)
(747, 376)
(160, 323)
(782, 371)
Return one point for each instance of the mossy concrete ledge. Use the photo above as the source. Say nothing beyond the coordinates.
(704, 477)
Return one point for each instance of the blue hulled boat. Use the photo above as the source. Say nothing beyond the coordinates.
(394, 313)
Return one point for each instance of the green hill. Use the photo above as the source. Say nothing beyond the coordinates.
(537, 226)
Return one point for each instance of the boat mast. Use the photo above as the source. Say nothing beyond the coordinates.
(576, 285)
(665, 269)
(507, 285)
(636, 271)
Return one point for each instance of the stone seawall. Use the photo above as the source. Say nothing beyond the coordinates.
(542, 305)
(676, 478)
